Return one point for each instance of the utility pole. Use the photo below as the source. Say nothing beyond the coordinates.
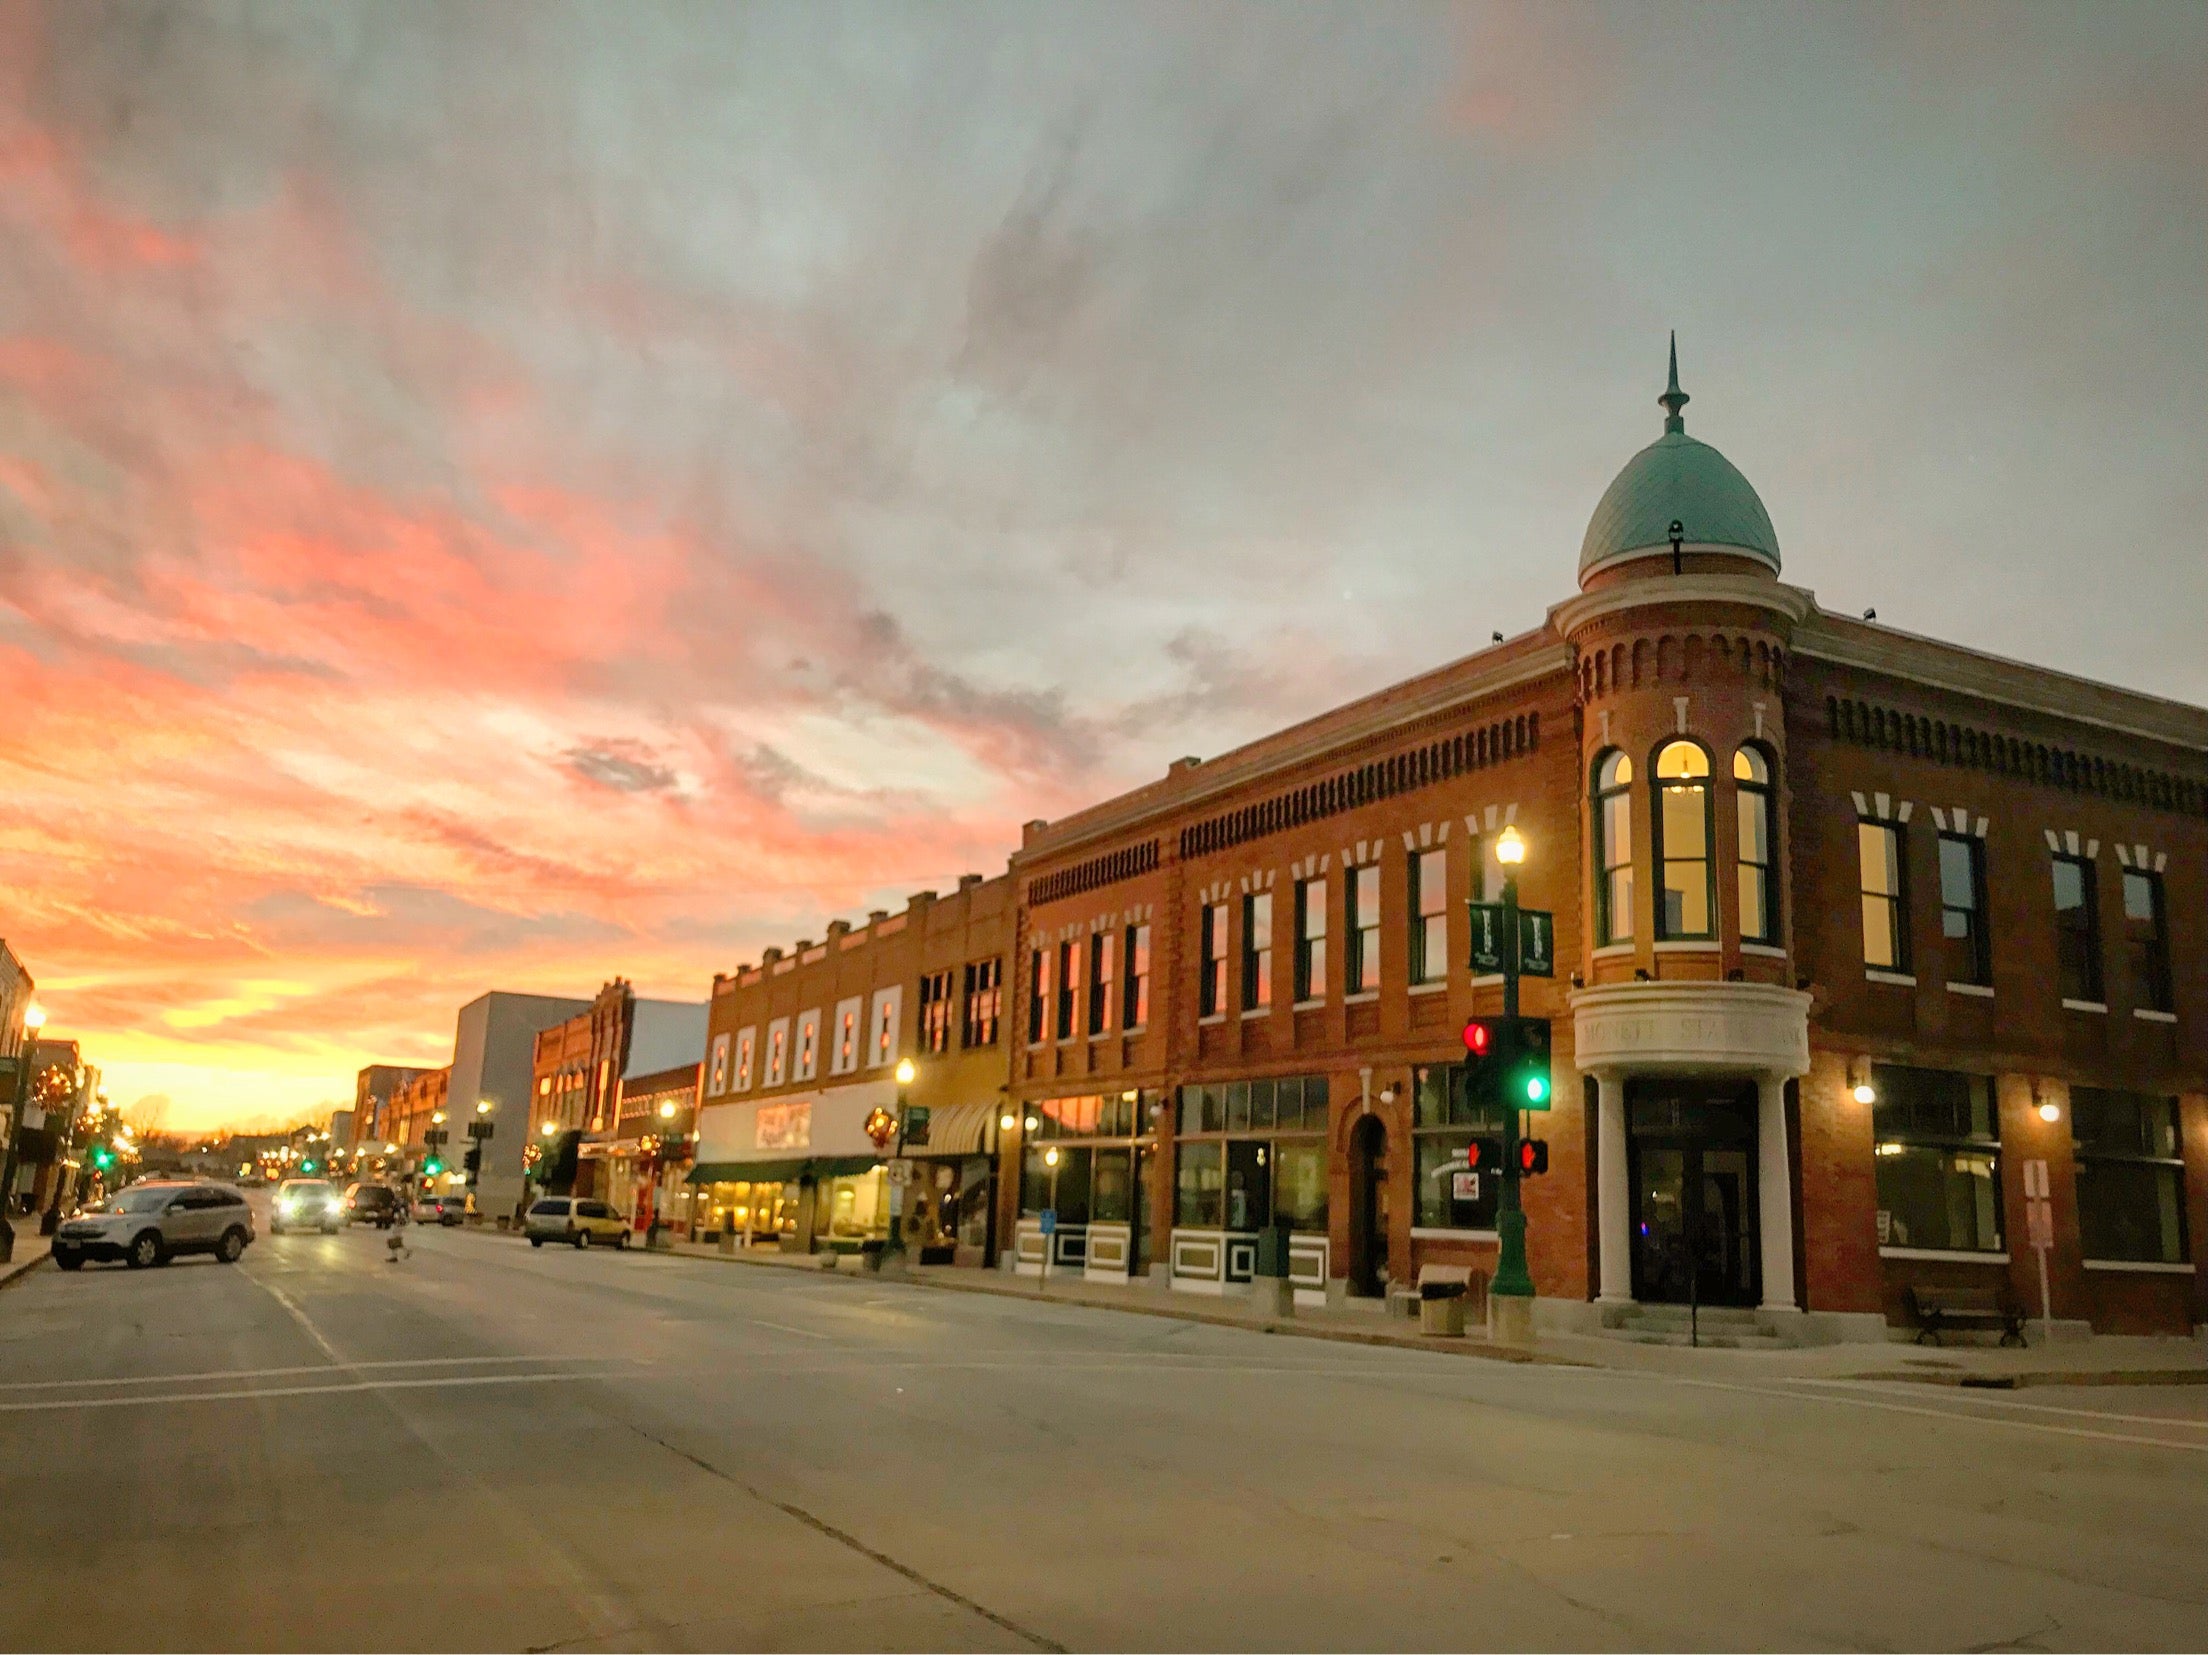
(1511, 1292)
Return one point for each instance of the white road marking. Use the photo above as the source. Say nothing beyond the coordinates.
(278, 1373)
(448, 1382)
(784, 1327)
(1990, 1399)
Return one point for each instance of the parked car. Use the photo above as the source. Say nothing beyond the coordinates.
(377, 1204)
(576, 1220)
(447, 1210)
(153, 1222)
(306, 1204)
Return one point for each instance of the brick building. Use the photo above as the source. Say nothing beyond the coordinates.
(803, 1048)
(372, 1090)
(1856, 933)
(410, 1111)
(590, 1075)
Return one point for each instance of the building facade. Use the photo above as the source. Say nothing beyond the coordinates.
(372, 1090)
(1859, 938)
(802, 1051)
(581, 1098)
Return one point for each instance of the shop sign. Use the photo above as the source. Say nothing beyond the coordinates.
(785, 1126)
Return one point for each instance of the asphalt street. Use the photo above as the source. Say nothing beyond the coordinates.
(486, 1446)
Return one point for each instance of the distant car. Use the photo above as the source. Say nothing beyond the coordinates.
(377, 1204)
(447, 1210)
(153, 1222)
(306, 1204)
(576, 1220)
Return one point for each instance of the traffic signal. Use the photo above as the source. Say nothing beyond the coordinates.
(433, 1166)
(474, 1161)
(1533, 1157)
(1508, 1062)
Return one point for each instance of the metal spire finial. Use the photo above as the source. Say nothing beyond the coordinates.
(1673, 398)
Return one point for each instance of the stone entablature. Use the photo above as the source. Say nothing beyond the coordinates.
(1691, 1028)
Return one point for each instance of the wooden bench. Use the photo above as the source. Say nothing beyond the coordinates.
(1937, 1310)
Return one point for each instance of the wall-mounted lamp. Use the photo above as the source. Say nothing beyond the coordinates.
(2049, 1110)
(1387, 1094)
(1861, 1088)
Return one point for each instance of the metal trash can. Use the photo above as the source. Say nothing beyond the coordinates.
(1441, 1309)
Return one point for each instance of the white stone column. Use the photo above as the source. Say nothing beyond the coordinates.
(1774, 1192)
(1613, 1204)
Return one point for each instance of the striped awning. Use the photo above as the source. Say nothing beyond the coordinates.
(956, 1129)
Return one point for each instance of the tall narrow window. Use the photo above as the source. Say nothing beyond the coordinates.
(1103, 946)
(1069, 986)
(1038, 995)
(1759, 915)
(984, 993)
(1613, 849)
(1362, 889)
(1885, 898)
(1963, 909)
(1310, 940)
(1211, 992)
(2146, 940)
(1685, 904)
(1257, 952)
(935, 1012)
(2077, 931)
(1429, 916)
(1136, 1013)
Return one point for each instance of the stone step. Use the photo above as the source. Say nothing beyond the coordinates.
(1712, 1338)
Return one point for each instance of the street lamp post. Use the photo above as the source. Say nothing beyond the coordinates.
(893, 1247)
(34, 1019)
(1512, 1288)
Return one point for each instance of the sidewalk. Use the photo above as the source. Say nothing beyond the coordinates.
(31, 1249)
(2103, 1360)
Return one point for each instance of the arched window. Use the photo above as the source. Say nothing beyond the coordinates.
(1613, 849)
(1685, 904)
(1759, 909)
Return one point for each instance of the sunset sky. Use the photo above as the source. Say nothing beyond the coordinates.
(506, 496)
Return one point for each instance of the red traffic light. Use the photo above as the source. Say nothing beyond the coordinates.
(1533, 1156)
(1479, 1038)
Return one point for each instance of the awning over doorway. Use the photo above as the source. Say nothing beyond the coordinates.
(956, 1129)
(748, 1172)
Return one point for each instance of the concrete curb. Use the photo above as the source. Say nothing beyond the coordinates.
(2041, 1376)
(17, 1269)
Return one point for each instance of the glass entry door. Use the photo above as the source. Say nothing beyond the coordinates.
(1693, 1160)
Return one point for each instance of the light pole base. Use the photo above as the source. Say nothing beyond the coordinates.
(1509, 1319)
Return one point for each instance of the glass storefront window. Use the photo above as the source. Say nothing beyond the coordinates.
(2131, 1176)
(1948, 1200)
(1112, 1186)
(854, 1206)
(1453, 1194)
(1299, 1186)
(1199, 1188)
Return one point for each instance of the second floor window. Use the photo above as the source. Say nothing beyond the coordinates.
(1429, 916)
(1361, 890)
(2146, 940)
(984, 996)
(1684, 902)
(1211, 991)
(1257, 951)
(1310, 939)
(1069, 986)
(1963, 909)
(1885, 901)
(1613, 849)
(1759, 918)
(1135, 1013)
(935, 1013)
(2077, 931)
(1038, 995)
(1102, 970)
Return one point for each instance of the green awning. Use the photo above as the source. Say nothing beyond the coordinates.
(845, 1166)
(747, 1172)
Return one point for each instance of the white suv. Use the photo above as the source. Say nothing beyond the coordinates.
(151, 1223)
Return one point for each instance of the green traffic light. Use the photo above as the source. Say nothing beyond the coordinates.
(433, 1167)
(1536, 1088)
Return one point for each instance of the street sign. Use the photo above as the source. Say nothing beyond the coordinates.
(2039, 1223)
(916, 1126)
(1049, 1221)
(900, 1172)
(1536, 942)
(1464, 1186)
(2035, 1180)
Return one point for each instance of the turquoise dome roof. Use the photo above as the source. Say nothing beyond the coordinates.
(1677, 479)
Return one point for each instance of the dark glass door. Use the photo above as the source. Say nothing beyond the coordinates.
(1694, 1200)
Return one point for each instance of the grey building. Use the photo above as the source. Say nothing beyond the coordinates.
(493, 1055)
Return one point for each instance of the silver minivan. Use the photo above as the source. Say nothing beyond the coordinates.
(152, 1222)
